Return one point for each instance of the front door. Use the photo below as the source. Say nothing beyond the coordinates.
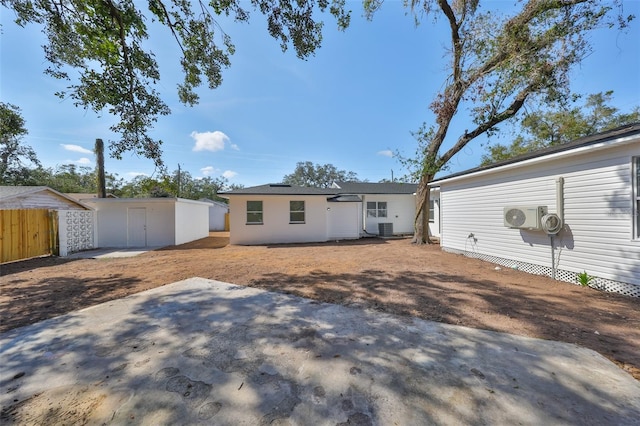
(137, 227)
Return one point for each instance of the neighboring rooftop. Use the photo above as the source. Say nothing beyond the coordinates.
(20, 192)
(15, 191)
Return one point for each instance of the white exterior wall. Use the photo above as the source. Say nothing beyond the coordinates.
(112, 219)
(192, 220)
(216, 216)
(434, 226)
(597, 237)
(401, 209)
(344, 220)
(276, 227)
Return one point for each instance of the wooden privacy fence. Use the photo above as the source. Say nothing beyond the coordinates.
(27, 233)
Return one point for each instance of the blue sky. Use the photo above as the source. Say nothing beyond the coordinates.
(352, 104)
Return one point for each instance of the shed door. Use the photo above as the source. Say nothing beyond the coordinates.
(342, 220)
(137, 227)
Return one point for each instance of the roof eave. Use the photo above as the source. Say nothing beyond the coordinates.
(571, 151)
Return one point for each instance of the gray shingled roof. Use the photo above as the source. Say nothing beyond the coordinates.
(376, 188)
(281, 189)
(344, 188)
(617, 133)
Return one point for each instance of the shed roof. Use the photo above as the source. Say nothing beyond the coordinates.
(622, 134)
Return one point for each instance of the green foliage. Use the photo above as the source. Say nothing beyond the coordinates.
(105, 43)
(177, 184)
(16, 159)
(319, 176)
(541, 129)
(584, 279)
(498, 63)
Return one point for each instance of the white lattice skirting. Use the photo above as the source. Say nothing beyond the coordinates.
(561, 274)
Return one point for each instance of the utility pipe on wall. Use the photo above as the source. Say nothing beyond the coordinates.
(560, 197)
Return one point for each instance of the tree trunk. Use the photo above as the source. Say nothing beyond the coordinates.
(102, 185)
(421, 235)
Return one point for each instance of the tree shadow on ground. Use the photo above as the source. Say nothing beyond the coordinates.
(477, 303)
(55, 296)
(227, 354)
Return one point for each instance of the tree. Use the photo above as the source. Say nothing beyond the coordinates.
(540, 129)
(319, 176)
(497, 63)
(104, 42)
(180, 183)
(15, 157)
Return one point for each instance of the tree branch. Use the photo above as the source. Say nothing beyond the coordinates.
(495, 119)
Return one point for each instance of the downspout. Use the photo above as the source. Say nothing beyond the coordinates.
(560, 213)
(560, 197)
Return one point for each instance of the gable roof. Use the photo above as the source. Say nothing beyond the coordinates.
(11, 192)
(376, 188)
(622, 134)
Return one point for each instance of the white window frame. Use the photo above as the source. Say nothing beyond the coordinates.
(378, 210)
(432, 210)
(255, 212)
(293, 212)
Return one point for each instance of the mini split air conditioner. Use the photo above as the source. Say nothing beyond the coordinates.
(524, 217)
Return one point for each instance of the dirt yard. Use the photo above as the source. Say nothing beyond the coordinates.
(392, 276)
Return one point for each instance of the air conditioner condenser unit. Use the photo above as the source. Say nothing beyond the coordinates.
(524, 217)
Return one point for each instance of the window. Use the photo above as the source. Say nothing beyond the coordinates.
(636, 195)
(254, 212)
(296, 211)
(432, 210)
(376, 209)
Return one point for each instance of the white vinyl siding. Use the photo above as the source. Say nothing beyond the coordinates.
(636, 195)
(598, 233)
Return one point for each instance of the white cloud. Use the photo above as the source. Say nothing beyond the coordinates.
(76, 148)
(235, 147)
(208, 171)
(209, 141)
(386, 153)
(229, 174)
(84, 161)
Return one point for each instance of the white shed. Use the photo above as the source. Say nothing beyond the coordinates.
(591, 184)
(217, 214)
(149, 222)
